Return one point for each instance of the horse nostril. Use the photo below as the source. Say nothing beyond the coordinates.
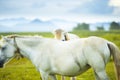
(1, 63)
(1, 66)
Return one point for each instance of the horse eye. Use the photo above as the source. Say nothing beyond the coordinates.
(3, 48)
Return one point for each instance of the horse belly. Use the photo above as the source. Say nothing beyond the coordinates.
(68, 68)
(80, 71)
(73, 71)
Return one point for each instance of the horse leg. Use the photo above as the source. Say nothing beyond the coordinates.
(44, 75)
(99, 70)
(73, 78)
(53, 77)
(101, 75)
(97, 62)
(96, 76)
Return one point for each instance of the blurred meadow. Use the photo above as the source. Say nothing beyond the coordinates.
(23, 69)
(39, 17)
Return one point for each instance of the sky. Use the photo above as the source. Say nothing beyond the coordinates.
(71, 10)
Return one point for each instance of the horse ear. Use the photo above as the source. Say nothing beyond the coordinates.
(6, 39)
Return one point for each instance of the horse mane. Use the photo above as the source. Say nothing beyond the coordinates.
(24, 36)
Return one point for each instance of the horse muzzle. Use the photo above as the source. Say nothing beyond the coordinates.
(1, 63)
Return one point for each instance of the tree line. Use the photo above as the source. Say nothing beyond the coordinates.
(84, 26)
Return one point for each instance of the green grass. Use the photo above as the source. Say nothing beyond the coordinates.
(23, 69)
(19, 70)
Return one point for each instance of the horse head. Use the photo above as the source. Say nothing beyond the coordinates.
(7, 49)
(60, 35)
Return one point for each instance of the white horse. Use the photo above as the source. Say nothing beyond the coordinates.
(64, 36)
(60, 34)
(68, 58)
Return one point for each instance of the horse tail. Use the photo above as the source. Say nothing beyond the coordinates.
(115, 52)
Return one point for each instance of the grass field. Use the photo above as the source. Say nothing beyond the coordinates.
(24, 70)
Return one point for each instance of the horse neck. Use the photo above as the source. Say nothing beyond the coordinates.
(26, 46)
